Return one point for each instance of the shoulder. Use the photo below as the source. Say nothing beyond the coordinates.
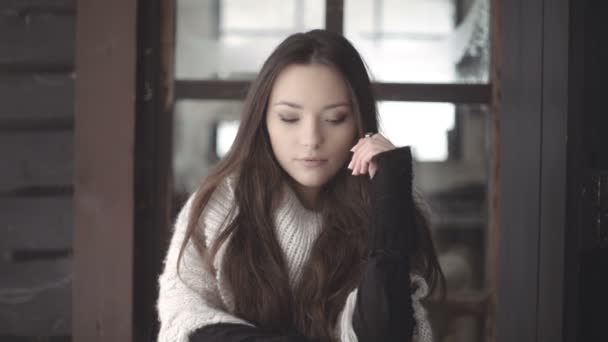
(218, 211)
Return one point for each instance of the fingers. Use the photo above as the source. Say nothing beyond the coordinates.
(364, 151)
(372, 169)
(354, 148)
(361, 157)
(362, 162)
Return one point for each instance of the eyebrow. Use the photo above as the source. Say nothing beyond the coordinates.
(299, 106)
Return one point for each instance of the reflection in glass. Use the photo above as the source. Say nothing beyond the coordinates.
(421, 41)
(230, 39)
(199, 128)
(226, 132)
(424, 126)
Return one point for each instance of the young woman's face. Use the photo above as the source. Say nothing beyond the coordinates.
(311, 123)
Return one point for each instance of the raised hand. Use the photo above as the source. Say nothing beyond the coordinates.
(365, 150)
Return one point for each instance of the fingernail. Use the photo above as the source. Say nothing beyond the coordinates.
(353, 149)
(350, 165)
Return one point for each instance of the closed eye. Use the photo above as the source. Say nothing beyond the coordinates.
(289, 120)
(337, 121)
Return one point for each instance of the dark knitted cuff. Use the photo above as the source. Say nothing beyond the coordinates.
(227, 332)
(392, 222)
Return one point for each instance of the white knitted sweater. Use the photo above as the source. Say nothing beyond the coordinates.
(197, 298)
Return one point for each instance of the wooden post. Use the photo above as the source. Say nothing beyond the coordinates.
(104, 124)
(494, 232)
(153, 162)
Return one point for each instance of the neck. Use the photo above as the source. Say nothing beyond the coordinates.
(308, 196)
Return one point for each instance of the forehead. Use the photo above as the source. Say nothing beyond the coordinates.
(310, 85)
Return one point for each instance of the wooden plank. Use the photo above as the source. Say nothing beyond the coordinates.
(35, 159)
(455, 93)
(494, 231)
(520, 155)
(44, 125)
(35, 298)
(28, 6)
(576, 173)
(37, 96)
(104, 143)
(35, 223)
(591, 254)
(39, 38)
(553, 170)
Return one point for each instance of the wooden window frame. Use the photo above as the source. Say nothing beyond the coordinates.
(529, 100)
(457, 93)
(415, 92)
(212, 89)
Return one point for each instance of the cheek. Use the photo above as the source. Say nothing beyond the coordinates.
(343, 142)
(279, 140)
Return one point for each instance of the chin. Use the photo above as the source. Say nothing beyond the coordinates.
(312, 181)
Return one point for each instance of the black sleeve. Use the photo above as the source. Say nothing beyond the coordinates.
(383, 310)
(232, 332)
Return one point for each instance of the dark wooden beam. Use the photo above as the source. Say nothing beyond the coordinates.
(554, 161)
(38, 191)
(153, 159)
(34, 300)
(492, 251)
(53, 94)
(36, 159)
(522, 169)
(26, 67)
(24, 7)
(210, 90)
(48, 224)
(455, 93)
(334, 16)
(104, 135)
(36, 125)
(42, 37)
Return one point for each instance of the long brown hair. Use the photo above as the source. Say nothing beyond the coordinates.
(253, 261)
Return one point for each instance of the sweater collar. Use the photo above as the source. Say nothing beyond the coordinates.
(292, 201)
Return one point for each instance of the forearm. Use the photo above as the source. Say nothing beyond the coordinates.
(383, 311)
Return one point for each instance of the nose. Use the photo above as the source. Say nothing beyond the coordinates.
(312, 135)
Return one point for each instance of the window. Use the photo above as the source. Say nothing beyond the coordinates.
(429, 61)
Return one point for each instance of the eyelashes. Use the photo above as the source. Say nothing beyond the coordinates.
(333, 122)
(289, 120)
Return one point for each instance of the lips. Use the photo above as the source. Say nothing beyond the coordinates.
(313, 159)
(312, 162)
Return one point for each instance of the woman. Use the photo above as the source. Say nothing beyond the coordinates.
(307, 230)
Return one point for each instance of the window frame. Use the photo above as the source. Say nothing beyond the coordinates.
(477, 304)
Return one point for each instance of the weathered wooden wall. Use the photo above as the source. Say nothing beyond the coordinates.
(36, 168)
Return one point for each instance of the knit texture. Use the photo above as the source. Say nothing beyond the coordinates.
(196, 298)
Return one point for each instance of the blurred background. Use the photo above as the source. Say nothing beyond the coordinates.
(113, 112)
(219, 43)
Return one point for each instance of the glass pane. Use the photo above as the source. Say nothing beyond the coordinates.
(424, 126)
(197, 141)
(451, 164)
(421, 41)
(230, 39)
